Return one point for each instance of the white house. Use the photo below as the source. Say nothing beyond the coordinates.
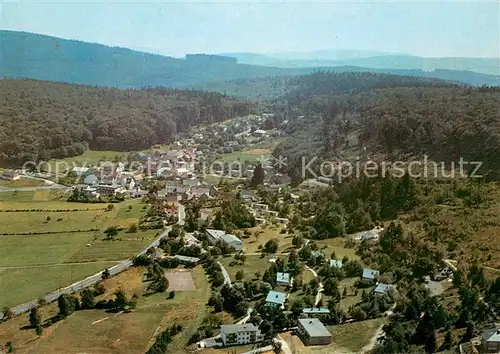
(215, 235)
(282, 279)
(240, 334)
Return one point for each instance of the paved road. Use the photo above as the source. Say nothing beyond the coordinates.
(227, 279)
(89, 281)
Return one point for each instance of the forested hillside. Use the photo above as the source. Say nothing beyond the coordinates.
(442, 121)
(41, 120)
(277, 86)
(40, 57)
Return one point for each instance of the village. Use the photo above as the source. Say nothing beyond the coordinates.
(219, 188)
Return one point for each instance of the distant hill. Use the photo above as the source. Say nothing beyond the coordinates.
(275, 86)
(377, 60)
(35, 56)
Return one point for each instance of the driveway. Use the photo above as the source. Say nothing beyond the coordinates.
(227, 279)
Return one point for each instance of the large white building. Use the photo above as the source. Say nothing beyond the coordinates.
(231, 240)
(240, 334)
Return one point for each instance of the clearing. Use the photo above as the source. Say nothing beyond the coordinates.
(260, 235)
(336, 245)
(252, 265)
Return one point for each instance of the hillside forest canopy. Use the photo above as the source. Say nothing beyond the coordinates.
(42, 120)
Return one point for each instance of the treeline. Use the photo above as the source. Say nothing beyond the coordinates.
(42, 120)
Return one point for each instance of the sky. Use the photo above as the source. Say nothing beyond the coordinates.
(431, 29)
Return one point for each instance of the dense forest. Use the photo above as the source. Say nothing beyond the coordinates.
(441, 120)
(42, 120)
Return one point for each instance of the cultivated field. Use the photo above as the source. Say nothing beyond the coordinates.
(96, 331)
(35, 264)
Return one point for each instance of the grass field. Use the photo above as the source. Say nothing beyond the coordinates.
(33, 265)
(247, 155)
(353, 336)
(22, 182)
(336, 245)
(88, 158)
(252, 265)
(20, 285)
(95, 331)
(251, 244)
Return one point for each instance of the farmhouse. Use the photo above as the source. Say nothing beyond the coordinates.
(282, 279)
(276, 298)
(312, 332)
(240, 334)
(215, 235)
(491, 340)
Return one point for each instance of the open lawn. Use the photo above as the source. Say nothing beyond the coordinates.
(252, 265)
(96, 331)
(259, 236)
(20, 285)
(336, 245)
